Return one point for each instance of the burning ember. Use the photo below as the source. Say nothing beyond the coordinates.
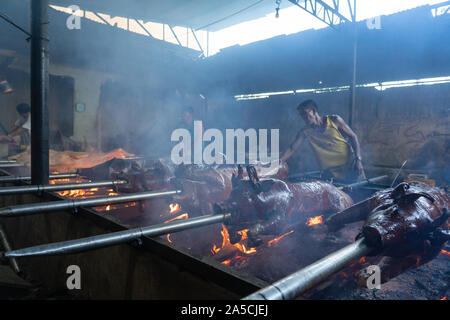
(174, 208)
(275, 241)
(77, 193)
(68, 180)
(314, 220)
(90, 193)
(226, 242)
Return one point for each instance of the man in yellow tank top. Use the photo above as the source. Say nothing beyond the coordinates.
(335, 144)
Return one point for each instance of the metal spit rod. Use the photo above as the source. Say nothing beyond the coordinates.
(12, 164)
(7, 161)
(304, 174)
(27, 178)
(312, 275)
(58, 187)
(105, 240)
(364, 182)
(27, 209)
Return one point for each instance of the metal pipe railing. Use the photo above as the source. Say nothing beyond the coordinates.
(58, 187)
(101, 241)
(42, 207)
(312, 275)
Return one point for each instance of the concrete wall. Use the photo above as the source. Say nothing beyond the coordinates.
(87, 92)
(87, 85)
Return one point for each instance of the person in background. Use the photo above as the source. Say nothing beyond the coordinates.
(21, 128)
(187, 122)
(335, 145)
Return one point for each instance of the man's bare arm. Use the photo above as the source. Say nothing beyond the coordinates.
(293, 147)
(350, 133)
(17, 132)
(354, 142)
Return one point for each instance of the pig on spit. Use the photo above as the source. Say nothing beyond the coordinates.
(264, 206)
(201, 186)
(407, 226)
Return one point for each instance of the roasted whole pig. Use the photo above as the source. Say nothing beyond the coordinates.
(68, 161)
(407, 226)
(265, 205)
(202, 186)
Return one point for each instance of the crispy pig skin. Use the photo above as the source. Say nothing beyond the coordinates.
(68, 161)
(412, 210)
(407, 226)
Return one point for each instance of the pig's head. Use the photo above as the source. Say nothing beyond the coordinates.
(252, 200)
(408, 215)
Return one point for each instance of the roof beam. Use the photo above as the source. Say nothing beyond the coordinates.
(327, 13)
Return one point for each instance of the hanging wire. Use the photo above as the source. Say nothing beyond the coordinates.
(4, 17)
(229, 16)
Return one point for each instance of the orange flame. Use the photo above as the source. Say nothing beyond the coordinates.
(275, 241)
(174, 208)
(447, 253)
(314, 220)
(444, 298)
(227, 262)
(226, 242)
(74, 193)
(180, 217)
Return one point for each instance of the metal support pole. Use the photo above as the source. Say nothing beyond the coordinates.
(312, 275)
(7, 247)
(351, 110)
(39, 92)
